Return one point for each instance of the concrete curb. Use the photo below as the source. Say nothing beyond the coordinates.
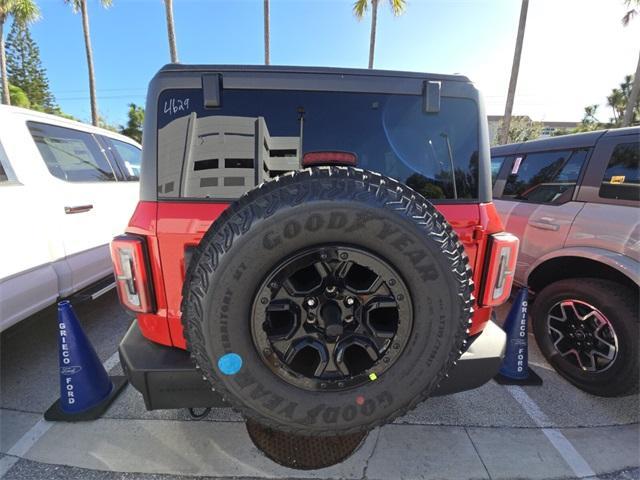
(394, 451)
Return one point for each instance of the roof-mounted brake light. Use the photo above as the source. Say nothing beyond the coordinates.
(313, 159)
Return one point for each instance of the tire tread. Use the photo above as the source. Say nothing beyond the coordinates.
(290, 189)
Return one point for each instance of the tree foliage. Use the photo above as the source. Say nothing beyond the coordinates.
(618, 101)
(133, 128)
(22, 11)
(521, 129)
(76, 5)
(360, 7)
(633, 6)
(25, 69)
(18, 97)
(103, 122)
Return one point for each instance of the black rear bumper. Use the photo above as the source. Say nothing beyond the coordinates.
(167, 378)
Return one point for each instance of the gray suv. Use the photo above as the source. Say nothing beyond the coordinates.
(573, 202)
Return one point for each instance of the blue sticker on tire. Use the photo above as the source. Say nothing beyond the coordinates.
(230, 363)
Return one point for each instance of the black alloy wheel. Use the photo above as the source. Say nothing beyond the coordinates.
(331, 318)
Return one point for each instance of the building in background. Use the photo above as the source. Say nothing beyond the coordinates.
(222, 156)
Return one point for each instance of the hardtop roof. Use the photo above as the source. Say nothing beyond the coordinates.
(178, 67)
(574, 140)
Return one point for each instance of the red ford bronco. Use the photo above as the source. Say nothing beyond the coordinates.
(316, 246)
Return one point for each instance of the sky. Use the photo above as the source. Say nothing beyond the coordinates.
(575, 51)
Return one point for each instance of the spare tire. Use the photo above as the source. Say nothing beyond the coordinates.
(327, 301)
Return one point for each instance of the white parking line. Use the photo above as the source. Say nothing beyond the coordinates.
(28, 440)
(22, 446)
(564, 447)
(111, 362)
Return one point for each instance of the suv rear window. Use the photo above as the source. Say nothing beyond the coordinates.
(127, 156)
(258, 134)
(4, 177)
(70, 154)
(622, 176)
(545, 177)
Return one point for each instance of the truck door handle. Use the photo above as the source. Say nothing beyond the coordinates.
(544, 223)
(77, 209)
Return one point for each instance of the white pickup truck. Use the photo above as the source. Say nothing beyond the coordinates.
(66, 189)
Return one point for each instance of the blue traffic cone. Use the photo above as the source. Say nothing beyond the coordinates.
(86, 390)
(515, 366)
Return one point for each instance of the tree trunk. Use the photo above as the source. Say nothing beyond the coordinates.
(515, 68)
(92, 79)
(173, 50)
(6, 99)
(267, 59)
(633, 98)
(374, 24)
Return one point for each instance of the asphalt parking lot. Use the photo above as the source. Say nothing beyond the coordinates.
(553, 431)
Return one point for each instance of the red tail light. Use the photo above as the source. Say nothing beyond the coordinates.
(329, 158)
(502, 254)
(131, 268)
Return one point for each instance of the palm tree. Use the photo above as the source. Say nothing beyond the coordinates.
(515, 69)
(22, 11)
(635, 89)
(81, 5)
(616, 101)
(632, 12)
(171, 32)
(267, 59)
(360, 8)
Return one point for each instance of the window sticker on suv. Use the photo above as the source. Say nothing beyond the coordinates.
(258, 134)
(516, 165)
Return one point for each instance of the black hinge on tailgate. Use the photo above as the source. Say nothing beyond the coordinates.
(212, 90)
(431, 96)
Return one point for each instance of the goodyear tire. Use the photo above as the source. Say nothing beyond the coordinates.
(328, 301)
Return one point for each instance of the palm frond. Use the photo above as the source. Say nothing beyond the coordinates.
(629, 16)
(398, 6)
(25, 11)
(106, 3)
(360, 7)
(75, 5)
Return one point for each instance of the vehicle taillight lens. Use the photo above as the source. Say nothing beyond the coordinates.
(501, 267)
(329, 158)
(132, 273)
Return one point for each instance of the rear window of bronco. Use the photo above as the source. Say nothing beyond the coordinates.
(255, 135)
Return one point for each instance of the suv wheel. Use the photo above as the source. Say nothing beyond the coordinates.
(327, 302)
(587, 329)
